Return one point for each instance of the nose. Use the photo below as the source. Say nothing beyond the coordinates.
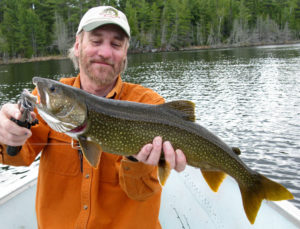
(105, 50)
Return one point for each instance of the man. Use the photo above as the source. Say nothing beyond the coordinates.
(122, 192)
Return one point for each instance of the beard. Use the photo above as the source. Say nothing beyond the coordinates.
(99, 74)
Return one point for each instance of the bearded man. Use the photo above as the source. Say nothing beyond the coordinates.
(122, 192)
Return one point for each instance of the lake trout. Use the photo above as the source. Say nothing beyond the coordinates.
(122, 127)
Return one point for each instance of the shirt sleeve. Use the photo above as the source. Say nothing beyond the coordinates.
(138, 180)
(29, 150)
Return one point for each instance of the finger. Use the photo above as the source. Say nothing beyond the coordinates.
(170, 155)
(155, 152)
(144, 153)
(14, 129)
(180, 161)
(13, 140)
(7, 112)
(33, 115)
(10, 110)
(10, 132)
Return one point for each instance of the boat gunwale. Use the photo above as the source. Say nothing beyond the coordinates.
(285, 208)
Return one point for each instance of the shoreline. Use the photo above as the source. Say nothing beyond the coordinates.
(241, 45)
(190, 48)
(33, 59)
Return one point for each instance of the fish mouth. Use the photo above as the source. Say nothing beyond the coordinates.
(30, 99)
(42, 98)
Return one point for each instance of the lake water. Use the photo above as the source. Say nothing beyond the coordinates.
(250, 97)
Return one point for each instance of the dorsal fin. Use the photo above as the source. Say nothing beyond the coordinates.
(186, 109)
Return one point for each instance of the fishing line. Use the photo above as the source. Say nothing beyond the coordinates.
(37, 144)
(73, 144)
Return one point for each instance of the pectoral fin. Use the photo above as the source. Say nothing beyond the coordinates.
(213, 178)
(164, 170)
(91, 151)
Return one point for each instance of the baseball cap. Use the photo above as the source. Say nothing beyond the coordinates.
(102, 15)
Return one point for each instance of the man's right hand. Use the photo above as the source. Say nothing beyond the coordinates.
(10, 133)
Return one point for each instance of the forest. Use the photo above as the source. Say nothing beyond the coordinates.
(36, 28)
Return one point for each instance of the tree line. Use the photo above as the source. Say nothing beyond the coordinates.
(33, 28)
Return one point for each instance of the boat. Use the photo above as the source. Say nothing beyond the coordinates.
(187, 203)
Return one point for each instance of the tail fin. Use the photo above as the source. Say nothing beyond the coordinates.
(263, 188)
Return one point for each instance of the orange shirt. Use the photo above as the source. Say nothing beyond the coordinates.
(71, 194)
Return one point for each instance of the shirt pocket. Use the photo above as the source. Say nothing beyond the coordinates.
(59, 157)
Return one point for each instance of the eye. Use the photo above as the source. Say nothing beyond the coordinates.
(116, 44)
(52, 89)
(96, 42)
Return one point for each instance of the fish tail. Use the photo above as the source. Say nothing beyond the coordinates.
(263, 188)
(164, 170)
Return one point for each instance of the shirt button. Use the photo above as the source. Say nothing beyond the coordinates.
(85, 207)
(87, 176)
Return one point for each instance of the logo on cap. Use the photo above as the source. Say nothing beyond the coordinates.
(110, 12)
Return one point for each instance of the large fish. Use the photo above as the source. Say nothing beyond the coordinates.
(122, 128)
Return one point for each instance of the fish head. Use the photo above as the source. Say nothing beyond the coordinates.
(61, 106)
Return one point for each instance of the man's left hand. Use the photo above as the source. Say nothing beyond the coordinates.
(150, 154)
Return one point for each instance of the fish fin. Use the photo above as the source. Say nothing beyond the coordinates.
(164, 170)
(91, 151)
(186, 108)
(236, 150)
(213, 178)
(263, 188)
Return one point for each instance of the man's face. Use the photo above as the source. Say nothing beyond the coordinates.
(102, 54)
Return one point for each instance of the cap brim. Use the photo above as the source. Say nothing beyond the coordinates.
(93, 25)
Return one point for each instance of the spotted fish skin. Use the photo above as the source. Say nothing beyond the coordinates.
(123, 128)
(126, 137)
(125, 132)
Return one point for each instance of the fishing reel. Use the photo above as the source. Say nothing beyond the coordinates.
(25, 106)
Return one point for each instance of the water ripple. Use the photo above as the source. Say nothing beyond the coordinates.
(249, 97)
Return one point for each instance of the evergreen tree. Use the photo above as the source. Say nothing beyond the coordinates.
(9, 27)
(133, 23)
(3, 46)
(184, 37)
(296, 21)
(32, 32)
(155, 25)
(41, 27)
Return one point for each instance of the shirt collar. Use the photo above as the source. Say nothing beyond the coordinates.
(115, 93)
(77, 81)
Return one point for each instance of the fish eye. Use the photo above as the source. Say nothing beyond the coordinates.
(52, 88)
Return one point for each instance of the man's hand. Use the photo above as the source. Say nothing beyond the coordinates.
(10, 133)
(150, 154)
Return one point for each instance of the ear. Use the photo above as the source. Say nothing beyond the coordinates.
(76, 45)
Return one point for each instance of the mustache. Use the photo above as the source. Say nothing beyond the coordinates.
(103, 61)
